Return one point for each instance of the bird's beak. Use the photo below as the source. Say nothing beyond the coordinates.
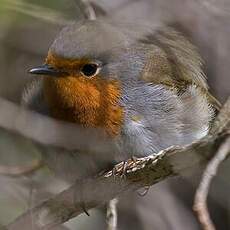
(47, 70)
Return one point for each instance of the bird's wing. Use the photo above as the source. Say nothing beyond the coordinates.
(175, 62)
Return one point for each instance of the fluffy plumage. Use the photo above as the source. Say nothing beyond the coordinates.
(163, 93)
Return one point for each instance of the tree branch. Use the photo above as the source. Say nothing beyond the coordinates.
(94, 192)
(20, 170)
(46, 131)
(200, 200)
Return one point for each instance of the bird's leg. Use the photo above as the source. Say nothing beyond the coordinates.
(123, 170)
(114, 170)
(134, 159)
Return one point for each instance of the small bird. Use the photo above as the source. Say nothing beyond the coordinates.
(143, 86)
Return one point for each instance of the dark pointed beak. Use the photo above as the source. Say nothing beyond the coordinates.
(47, 70)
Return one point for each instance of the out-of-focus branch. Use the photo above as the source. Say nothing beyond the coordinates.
(111, 215)
(50, 132)
(220, 8)
(20, 170)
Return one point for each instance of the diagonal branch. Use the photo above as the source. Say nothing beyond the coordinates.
(15, 171)
(50, 132)
(93, 192)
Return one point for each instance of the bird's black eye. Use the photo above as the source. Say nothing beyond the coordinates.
(90, 70)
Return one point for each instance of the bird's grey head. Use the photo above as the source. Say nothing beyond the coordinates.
(111, 44)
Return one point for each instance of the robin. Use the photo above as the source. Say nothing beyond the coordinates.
(143, 86)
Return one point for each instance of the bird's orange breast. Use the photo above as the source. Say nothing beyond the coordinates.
(92, 102)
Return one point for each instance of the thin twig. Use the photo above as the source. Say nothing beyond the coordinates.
(200, 201)
(222, 122)
(111, 215)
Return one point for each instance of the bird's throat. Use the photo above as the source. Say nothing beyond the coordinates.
(89, 102)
